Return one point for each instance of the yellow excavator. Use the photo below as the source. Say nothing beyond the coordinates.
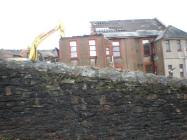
(33, 54)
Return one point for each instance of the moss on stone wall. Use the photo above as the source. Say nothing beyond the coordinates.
(58, 102)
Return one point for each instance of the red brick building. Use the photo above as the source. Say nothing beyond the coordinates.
(83, 50)
(124, 44)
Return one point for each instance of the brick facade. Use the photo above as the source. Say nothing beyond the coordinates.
(131, 51)
(83, 51)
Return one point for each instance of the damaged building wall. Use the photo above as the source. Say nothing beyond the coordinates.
(131, 57)
(131, 52)
(83, 57)
(56, 101)
(159, 57)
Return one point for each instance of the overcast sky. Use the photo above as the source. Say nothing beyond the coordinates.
(22, 20)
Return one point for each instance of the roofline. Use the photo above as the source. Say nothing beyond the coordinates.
(162, 37)
(90, 35)
(129, 20)
(161, 23)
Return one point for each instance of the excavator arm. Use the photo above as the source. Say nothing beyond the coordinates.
(33, 55)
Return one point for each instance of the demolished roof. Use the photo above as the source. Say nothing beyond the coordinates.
(172, 32)
(140, 33)
(127, 25)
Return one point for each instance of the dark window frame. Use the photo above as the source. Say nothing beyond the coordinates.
(170, 70)
(181, 66)
(181, 74)
(167, 45)
(147, 48)
(179, 46)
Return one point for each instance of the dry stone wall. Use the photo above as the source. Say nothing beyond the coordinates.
(59, 102)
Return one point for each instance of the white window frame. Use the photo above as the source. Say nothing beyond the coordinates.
(116, 49)
(92, 48)
(107, 51)
(73, 49)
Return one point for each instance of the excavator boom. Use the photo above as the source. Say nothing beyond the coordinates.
(33, 55)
